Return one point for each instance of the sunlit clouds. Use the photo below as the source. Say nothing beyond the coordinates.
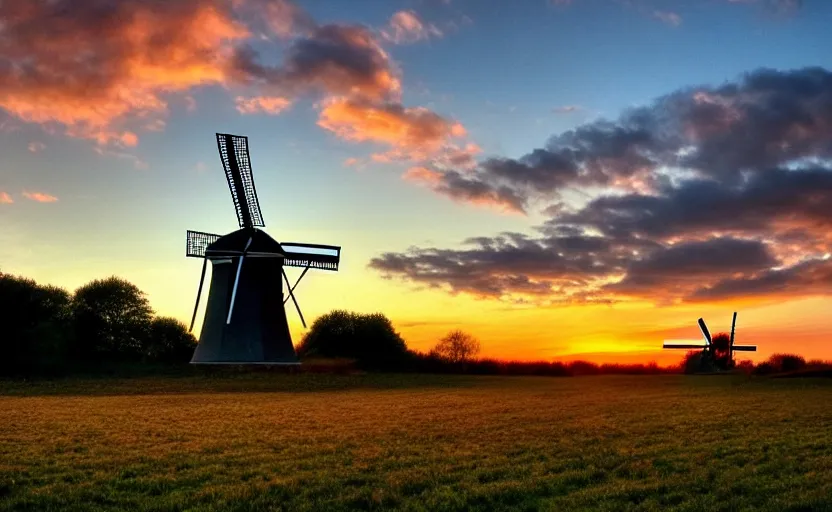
(266, 104)
(91, 64)
(40, 197)
(414, 133)
(406, 27)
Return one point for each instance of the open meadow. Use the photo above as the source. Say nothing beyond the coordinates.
(416, 442)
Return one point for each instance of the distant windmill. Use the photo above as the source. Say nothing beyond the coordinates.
(245, 320)
(718, 350)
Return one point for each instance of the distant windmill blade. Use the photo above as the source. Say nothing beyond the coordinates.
(733, 326)
(198, 293)
(687, 346)
(705, 332)
(237, 282)
(237, 164)
(292, 295)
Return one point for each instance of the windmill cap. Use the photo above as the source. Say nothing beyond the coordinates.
(235, 244)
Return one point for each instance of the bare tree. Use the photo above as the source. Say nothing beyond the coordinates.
(457, 346)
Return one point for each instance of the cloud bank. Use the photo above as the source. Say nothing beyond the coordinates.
(106, 71)
(708, 193)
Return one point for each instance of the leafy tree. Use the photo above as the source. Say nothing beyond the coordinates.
(35, 325)
(112, 320)
(457, 347)
(169, 341)
(370, 339)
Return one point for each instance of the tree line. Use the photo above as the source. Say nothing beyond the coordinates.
(46, 329)
(107, 322)
(370, 342)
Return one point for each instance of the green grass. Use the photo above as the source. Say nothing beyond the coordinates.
(373, 442)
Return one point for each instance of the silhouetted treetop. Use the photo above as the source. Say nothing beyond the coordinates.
(370, 339)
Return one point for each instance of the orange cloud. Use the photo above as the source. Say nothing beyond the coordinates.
(268, 104)
(406, 27)
(40, 197)
(412, 132)
(423, 175)
(5, 198)
(93, 63)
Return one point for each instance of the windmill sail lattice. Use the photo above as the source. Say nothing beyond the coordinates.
(245, 320)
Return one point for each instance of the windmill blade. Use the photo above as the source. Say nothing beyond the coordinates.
(197, 242)
(705, 332)
(745, 348)
(292, 295)
(237, 164)
(198, 293)
(236, 282)
(321, 257)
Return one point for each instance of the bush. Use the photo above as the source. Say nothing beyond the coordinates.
(692, 362)
(786, 362)
(36, 329)
(369, 339)
(169, 341)
(112, 320)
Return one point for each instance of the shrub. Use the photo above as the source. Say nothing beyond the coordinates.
(786, 362)
(369, 339)
(692, 362)
(169, 341)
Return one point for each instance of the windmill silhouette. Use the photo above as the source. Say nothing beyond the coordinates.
(245, 318)
(717, 351)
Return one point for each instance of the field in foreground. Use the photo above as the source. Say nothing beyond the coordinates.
(324, 442)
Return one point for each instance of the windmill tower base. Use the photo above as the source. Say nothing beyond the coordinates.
(258, 332)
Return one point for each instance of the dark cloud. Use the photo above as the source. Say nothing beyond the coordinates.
(682, 269)
(767, 203)
(768, 119)
(333, 59)
(707, 193)
(812, 277)
(511, 263)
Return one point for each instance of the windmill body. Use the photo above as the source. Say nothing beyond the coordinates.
(245, 319)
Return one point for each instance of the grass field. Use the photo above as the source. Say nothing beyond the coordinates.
(325, 442)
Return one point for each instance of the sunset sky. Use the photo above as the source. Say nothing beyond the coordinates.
(561, 178)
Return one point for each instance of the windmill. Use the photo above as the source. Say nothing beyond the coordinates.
(717, 350)
(245, 319)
